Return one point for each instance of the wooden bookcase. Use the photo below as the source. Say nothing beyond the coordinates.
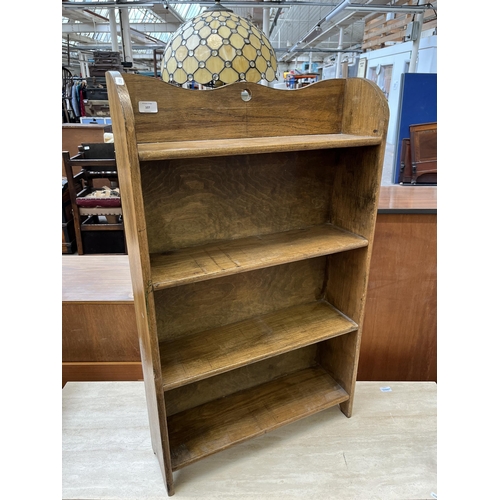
(249, 227)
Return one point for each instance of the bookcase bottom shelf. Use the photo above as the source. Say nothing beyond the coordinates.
(216, 425)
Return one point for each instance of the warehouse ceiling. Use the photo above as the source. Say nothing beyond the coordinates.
(298, 29)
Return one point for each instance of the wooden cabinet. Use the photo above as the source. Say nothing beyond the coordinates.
(249, 227)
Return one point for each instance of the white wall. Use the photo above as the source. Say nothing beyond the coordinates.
(399, 57)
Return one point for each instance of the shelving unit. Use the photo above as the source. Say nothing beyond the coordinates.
(249, 227)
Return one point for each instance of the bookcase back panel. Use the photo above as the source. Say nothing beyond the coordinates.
(195, 201)
(197, 307)
(222, 114)
(197, 393)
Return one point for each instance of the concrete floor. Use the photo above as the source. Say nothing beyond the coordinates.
(388, 170)
(386, 450)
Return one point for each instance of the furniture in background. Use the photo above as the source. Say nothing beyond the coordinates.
(249, 251)
(75, 134)
(419, 155)
(99, 331)
(97, 211)
(417, 104)
(400, 327)
(68, 225)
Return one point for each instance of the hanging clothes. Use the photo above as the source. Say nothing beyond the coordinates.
(75, 104)
(82, 96)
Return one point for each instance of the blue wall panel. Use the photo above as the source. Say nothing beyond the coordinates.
(418, 104)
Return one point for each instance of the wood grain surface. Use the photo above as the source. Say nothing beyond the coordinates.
(400, 328)
(99, 332)
(101, 371)
(408, 198)
(127, 159)
(198, 201)
(254, 374)
(212, 427)
(187, 359)
(198, 307)
(242, 174)
(224, 258)
(222, 114)
(255, 145)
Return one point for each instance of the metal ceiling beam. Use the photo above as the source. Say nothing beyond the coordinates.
(92, 47)
(352, 10)
(409, 9)
(105, 27)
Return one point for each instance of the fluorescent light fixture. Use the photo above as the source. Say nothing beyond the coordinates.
(340, 7)
(314, 33)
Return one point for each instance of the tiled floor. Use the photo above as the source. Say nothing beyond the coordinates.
(386, 450)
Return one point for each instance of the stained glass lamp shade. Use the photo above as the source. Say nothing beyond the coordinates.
(218, 47)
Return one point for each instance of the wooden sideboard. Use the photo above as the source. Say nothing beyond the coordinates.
(99, 335)
(74, 134)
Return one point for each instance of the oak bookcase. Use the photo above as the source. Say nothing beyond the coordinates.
(249, 226)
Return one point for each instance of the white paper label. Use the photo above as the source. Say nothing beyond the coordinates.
(119, 80)
(148, 107)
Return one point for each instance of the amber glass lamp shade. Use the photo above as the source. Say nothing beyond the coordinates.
(218, 47)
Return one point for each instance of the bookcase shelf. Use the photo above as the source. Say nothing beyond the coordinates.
(192, 264)
(216, 425)
(252, 145)
(191, 358)
(249, 228)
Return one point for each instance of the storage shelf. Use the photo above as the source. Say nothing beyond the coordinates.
(251, 145)
(214, 426)
(229, 354)
(188, 359)
(189, 265)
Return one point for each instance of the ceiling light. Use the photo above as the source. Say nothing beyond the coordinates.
(218, 47)
(337, 10)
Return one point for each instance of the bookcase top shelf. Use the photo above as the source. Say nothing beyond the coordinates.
(251, 145)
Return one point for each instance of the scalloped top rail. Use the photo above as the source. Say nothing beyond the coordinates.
(253, 145)
(161, 114)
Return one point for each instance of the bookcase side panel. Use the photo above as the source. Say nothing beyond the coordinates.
(355, 195)
(137, 246)
(346, 290)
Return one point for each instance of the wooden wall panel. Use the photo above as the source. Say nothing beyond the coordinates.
(99, 332)
(101, 372)
(400, 327)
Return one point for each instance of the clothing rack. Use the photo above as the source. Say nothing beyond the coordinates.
(73, 93)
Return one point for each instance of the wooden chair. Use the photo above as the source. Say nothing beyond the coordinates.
(418, 164)
(423, 138)
(95, 199)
